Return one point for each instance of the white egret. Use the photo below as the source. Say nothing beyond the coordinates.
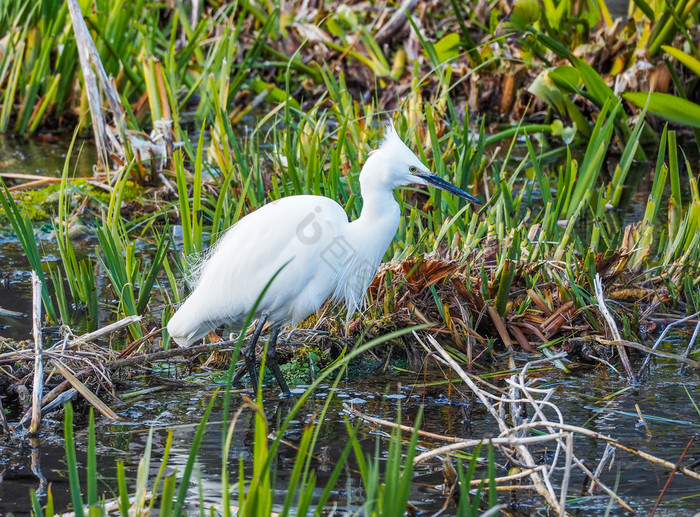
(319, 254)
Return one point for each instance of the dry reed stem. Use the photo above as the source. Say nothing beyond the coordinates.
(598, 436)
(500, 326)
(467, 444)
(38, 383)
(622, 352)
(567, 469)
(82, 36)
(108, 329)
(137, 343)
(396, 22)
(167, 354)
(93, 362)
(607, 453)
(609, 491)
(671, 476)
(496, 510)
(34, 181)
(538, 405)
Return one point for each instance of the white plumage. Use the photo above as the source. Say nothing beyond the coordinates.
(326, 255)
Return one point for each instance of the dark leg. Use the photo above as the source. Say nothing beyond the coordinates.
(249, 354)
(271, 361)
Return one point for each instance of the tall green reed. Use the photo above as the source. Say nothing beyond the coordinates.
(25, 233)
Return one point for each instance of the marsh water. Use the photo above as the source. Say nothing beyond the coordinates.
(591, 397)
(671, 422)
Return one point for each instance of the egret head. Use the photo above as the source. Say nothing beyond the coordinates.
(395, 165)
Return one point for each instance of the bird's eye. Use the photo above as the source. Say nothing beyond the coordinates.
(412, 169)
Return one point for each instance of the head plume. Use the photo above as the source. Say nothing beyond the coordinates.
(392, 145)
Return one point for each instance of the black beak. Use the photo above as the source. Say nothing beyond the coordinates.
(437, 181)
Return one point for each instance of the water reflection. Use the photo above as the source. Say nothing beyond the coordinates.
(46, 157)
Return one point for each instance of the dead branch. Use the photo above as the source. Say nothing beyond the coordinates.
(38, 385)
(396, 22)
(648, 350)
(598, 436)
(167, 354)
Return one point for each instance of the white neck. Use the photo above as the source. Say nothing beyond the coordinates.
(378, 221)
(368, 238)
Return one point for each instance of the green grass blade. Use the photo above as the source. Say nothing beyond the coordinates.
(688, 60)
(123, 491)
(72, 462)
(25, 233)
(665, 105)
(191, 458)
(92, 464)
(37, 510)
(146, 287)
(168, 496)
(161, 470)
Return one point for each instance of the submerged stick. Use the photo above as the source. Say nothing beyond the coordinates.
(38, 387)
(403, 427)
(49, 401)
